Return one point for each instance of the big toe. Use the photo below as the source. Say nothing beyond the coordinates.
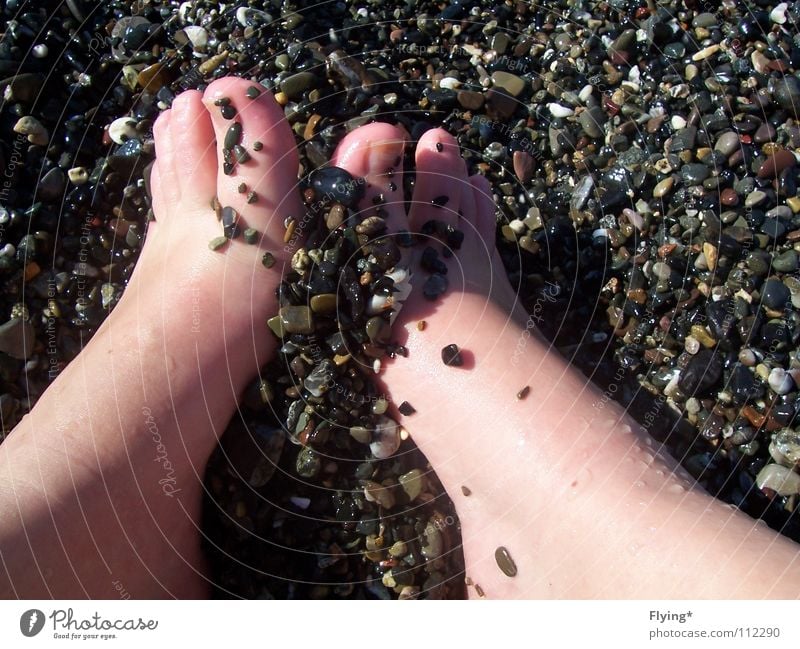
(374, 152)
(256, 157)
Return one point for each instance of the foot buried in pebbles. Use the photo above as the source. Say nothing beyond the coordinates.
(644, 161)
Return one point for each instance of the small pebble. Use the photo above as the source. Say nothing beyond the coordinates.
(268, 260)
(257, 146)
(406, 409)
(250, 235)
(466, 490)
(505, 562)
(217, 242)
(227, 111)
(523, 392)
(451, 355)
(252, 92)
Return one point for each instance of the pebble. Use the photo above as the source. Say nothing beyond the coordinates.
(386, 438)
(505, 562)
(511, 83)
(663, 187)
(297, 319)
(122, 129)
(338, 185)
(780, 381)
(776, 163)
(17, 338)
(33, 129)
(774, 294)
(592, 121)
(451, 355)
(780, 479)
(558, 110)
(51, 186)
(78, 175)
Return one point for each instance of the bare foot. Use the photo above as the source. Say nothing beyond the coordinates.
(105, 474)
(556, 497)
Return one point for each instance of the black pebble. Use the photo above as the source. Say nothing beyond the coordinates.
(406, 409)
(451, 355)
(439, 147)
(228, 112)
(337, 185)
(440, 201)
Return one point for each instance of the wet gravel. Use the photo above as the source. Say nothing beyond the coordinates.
(643, 160)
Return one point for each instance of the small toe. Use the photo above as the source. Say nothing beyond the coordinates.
(259, 177)
(374, 152)
(194, 144)
(441, 176)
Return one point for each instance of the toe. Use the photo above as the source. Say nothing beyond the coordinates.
(375, 152)
(441, 176)
(167, 173)
(193, 142)
(261, 185)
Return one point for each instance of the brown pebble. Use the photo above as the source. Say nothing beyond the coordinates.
(776, 163)
(479, 590)
(421, 325)
(505, 562)
(252, 197)
(729, 198)
(523, 166)
(290, 227)
(242, 188)
(466, 490)
(523, 392)
(257, 146)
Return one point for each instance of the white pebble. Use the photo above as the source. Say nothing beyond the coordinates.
(40, 51)
(300, 503)
(517, 226)
(8, 250)
(78, 175)
(780, 381)
(779, 479)
(557, 110)
(691, 344)
(241, 15)
(778, 14)
(677, 122)
(586, 92)
(122, 129)
(197, 36)
(451, 83)
(386, 439)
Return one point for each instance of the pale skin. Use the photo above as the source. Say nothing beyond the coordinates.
(583, 500)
